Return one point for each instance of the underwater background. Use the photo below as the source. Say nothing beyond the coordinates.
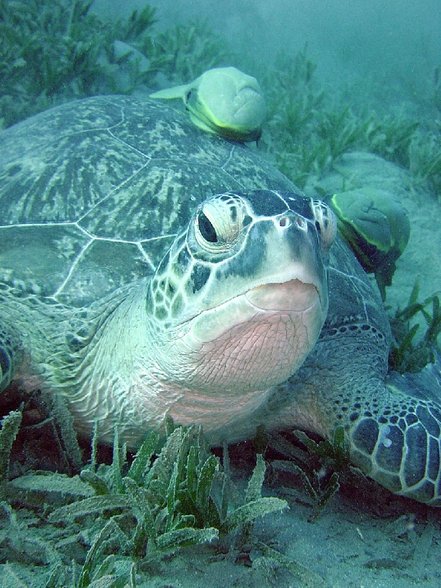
(353, 91)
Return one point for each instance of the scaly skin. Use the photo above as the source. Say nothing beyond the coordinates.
(393, 437)
(393, 432)
(203, 341)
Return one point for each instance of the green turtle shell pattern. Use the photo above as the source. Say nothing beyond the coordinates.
(73, 172)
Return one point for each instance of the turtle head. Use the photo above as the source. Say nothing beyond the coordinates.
(239, 300)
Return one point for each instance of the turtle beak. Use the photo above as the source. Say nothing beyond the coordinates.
(291, 296)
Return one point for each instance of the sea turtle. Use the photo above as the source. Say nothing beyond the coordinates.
(150, 269)
(223, 100)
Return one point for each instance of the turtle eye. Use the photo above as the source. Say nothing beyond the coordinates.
(206, 228)
(218, 223)
(325, 222)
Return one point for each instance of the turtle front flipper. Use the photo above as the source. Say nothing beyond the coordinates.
(399, 446)
(392, 423)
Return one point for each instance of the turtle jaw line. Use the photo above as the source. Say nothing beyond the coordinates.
(293, 280)
(314, 288)
(289, 296)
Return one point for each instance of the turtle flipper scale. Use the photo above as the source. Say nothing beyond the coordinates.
(401, 448)
(392, 422)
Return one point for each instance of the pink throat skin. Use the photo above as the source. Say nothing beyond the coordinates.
(236, 372)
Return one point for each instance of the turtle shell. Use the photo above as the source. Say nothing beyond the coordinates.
(93, 192)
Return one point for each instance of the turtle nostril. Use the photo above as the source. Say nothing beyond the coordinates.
(284, 222)
(301, 223)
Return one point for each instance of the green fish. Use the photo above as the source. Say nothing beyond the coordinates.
(377, 228)
(224, 101)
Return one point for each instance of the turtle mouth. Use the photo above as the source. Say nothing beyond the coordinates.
(291, 296)
(300, 304)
